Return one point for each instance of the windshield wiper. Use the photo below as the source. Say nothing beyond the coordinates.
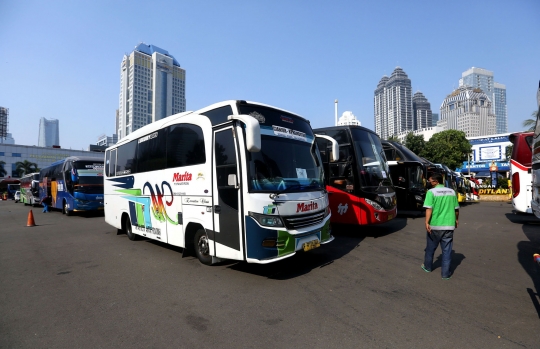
(294, 187)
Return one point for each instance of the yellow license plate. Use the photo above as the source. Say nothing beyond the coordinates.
(390, 216)
(310, 245)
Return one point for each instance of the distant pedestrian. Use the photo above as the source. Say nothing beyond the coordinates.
(46, 202)
(442, 212)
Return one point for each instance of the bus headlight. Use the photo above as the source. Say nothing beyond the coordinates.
(266, 220)
(374, 204)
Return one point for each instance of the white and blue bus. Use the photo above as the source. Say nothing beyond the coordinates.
(74, 183)
(236, 180)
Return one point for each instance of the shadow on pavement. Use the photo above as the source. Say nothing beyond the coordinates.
(530, 226)
(457, 258)
(348, 237)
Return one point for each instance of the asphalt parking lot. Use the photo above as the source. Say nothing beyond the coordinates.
(72, 282)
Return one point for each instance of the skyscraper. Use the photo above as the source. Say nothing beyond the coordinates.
(49, 133)
(422, 116)
(4, 113)
(469, 110)
(152, 87)
(393, 104)
(483, 79)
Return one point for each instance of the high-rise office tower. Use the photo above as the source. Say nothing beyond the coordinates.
(434, 119)
(393, 104)
(422, 116)
(483, 79)
(469, 110)
(49, 133)
(152, 87)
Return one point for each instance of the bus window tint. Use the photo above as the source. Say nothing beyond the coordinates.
(151, 152)
(185, 146)
(126, 163)
(370, 159)
(112, 166)
(107, 162)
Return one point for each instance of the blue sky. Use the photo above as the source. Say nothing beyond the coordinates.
(61, 59)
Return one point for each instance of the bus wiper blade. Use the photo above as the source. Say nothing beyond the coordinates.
(294, 186)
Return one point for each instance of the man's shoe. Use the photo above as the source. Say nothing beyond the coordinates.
(424, 268)
(447, 278)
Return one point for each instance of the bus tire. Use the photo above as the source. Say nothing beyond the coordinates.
(202, 248)
(65, 209)
(129, 230)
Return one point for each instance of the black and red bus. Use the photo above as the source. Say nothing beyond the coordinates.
(358, 183)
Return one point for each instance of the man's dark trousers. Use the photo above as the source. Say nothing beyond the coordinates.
(445, 238)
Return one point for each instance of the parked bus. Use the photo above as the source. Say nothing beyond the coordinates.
(235, 180)
(520, 171)
(410, 174)
(75, 184)
(11, 189)
(535, 163)
(30, 189)
(359, 184)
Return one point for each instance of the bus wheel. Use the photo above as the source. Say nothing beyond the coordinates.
(128, 230)
(65, 209)
(202, 249)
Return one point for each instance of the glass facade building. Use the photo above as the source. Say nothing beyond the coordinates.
(152, 87)
(49, 133)
(393, 104)
(422, 116)
(484, 80)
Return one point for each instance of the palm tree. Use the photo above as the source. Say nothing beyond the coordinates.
(25, 167)
(531, 123)
(3, 172)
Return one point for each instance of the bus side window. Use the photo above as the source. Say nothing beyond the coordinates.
(152, 152)
(112, 166)
(341, 172)
(107, 161)
(185, 146)
(127, 162)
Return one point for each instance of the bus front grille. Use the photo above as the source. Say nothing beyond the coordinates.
(302, 221)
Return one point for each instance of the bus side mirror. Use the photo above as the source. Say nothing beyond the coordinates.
(253, 131)
(335, 147)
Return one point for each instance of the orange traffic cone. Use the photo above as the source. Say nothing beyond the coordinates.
(30, 221)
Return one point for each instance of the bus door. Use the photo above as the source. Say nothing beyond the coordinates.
(226, 187)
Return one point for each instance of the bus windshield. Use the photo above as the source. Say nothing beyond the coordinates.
(289, 160)
(87, 177)
(372, 164)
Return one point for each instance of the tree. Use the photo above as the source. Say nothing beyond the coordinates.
(3, 172)
(25, 167)
(415, 143)
(531, 123)
(449, 147)
(393, 138)
(508, 152)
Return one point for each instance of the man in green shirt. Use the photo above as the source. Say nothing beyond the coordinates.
(442, 212)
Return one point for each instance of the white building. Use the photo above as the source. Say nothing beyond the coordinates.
(469, 110)
(427, 132)
(49, 133)
(483, 79)
(152, 87)
(348, 118)
(107, 141)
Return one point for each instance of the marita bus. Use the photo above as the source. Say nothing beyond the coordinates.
(236, 180)
(520, 171)
(359, 183)
(75, 184)
(30, 189)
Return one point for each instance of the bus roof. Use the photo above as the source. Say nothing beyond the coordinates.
(172, 119)
(341, 127)
(75, 158)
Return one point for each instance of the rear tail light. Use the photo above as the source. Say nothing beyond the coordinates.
(515, 184)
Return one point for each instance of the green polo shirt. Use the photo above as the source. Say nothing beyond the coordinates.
(443, 201)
